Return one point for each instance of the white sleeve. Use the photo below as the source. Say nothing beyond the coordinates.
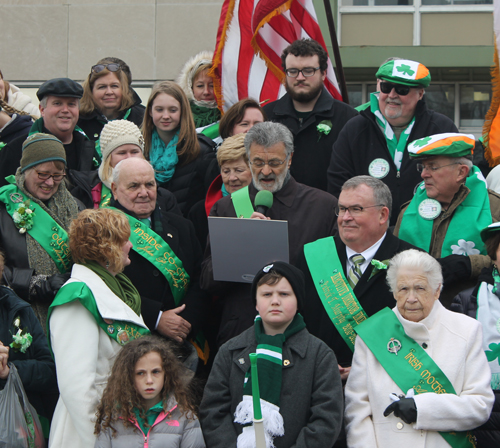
(74, 335)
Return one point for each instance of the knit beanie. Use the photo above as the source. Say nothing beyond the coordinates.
(294, 276)
(117, 133)
(40, 148)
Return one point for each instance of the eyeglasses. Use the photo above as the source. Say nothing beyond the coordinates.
(46, 176)
(111, 67)
(273, 163)
(307, 72)
(421, 167)
(354, 210)
(386, 87)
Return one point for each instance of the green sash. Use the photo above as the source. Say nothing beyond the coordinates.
(46, 231)
(333, 289)
(105, 196)
(120, 331)
(459, 239)
(156, 250)
(242, 203)
(411, 367)
(396, 148)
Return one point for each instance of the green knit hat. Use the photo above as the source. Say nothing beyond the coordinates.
(489, 231)
(405, 72)
(448, 145)
(40, 148)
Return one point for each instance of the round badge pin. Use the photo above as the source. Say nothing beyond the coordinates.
(379, 168)
(429, 209)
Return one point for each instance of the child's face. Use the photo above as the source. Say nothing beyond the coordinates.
(149, 378)
(276, 305)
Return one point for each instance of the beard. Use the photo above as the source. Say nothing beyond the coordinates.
(279, 181)
(303, 97)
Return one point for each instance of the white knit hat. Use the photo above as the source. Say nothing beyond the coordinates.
(117, 133)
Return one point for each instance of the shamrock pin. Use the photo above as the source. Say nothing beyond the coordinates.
(493, 352)
(422, 141)
(405, 70)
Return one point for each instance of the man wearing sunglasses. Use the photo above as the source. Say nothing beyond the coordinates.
(59, 107)
(313, 116)
(375, 142)
(449, 209)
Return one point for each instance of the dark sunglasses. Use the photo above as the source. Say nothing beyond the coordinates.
(386, 87)
(111, 67)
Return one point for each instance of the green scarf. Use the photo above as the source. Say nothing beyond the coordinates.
(163, 157)
(269, 362)
(203, 116)
(396, 148)
(121, 286)
(459, 239)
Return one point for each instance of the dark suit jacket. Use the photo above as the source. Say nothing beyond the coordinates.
(373, 295)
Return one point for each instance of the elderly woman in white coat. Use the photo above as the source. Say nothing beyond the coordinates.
(419, 375)
(93, 315)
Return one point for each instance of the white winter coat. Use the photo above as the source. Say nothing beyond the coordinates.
(21, 101)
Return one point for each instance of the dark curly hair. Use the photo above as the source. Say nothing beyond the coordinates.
(306, 47)
(120, 396)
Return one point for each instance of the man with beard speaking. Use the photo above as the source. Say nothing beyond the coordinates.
(313, 116)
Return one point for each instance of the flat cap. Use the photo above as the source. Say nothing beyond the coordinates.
(405, 72)
(60, 87)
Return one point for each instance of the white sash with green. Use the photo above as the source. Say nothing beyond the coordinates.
(46, 231)
(411, 367)
(396, 148)
(333, 289)
(460, 239)
(156, 250)
(242, 203)
(119, 330)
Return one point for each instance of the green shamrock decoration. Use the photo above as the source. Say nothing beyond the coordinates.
(422, 141)
(493, 353)
(378, 266)
(405, 70)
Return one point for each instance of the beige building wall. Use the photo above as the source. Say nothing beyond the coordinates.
(64, 38)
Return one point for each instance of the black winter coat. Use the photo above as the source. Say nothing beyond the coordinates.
(153, 287)
(36, 367)
(487, 435)
(17, 128)
(190, 182)
(313, 149)
(361, 141)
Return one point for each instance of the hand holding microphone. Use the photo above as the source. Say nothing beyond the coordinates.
(263, 202)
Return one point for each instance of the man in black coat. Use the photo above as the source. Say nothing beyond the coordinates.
(364, 208)
(375, 142)
(134, 192)
(313, 116)
(60, 109)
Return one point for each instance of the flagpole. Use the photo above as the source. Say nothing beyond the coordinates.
(336, 51)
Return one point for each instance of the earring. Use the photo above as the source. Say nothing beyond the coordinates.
(107, 264)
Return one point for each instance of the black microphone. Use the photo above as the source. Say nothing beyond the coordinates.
(263, 201)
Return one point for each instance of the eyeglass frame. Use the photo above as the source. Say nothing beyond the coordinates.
(396, 87)
(315, 69)
(53, 176)
(113, 67)
(348, 209)
(421, 167)
(268, 163)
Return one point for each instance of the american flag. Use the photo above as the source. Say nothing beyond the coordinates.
(252, 35)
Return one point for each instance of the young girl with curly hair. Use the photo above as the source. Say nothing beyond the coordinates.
(147, 399)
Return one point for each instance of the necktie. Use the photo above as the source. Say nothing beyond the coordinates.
(355, 271)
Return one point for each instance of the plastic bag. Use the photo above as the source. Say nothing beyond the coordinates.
(19, 424)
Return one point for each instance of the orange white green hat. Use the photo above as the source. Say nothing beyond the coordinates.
(405, 72)
(448, 145)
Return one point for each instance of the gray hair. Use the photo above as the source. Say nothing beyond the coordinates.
(415, 259)
(465, 161)
(43, 101)
(268, 134)
(381, 192)
(118, 167)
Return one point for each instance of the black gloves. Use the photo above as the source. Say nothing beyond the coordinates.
(46, 290)
(455, 267)
(405, 409)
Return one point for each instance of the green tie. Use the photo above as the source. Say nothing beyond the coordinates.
(355, 271)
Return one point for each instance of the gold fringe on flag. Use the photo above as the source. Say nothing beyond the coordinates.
(491, 127)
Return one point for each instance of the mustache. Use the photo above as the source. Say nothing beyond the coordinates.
(396, 101)
(268, 177)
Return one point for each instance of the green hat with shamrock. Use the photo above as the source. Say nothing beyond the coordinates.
(448, 145)
(405, 72)
(490, 231)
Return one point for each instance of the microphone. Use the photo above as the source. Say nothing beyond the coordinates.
(263, 201)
